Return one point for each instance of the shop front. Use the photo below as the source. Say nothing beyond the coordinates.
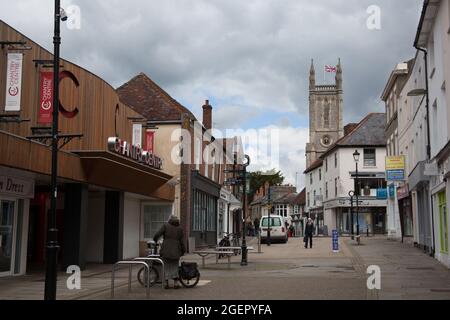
(405, 210)
(370, 215)
(205, 196)
(16, 190)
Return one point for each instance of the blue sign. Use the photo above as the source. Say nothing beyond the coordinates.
(335, 239)
(382, 194)
(395, 175)
(391, 191)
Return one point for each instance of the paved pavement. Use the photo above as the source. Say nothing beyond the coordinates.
(281, 271)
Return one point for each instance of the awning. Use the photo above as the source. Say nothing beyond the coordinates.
(107, 169)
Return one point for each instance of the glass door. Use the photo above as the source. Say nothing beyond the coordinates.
(7, 210)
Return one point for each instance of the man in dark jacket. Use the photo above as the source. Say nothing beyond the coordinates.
(172, 248)
(309, 230)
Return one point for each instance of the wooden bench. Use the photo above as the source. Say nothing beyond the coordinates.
(227, 251)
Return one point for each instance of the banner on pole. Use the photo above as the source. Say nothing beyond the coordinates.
(46, 97)
(13, 82)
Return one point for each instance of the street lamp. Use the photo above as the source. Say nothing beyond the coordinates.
(52, 232)
(356, 155)
(351, 194)
(244, 200)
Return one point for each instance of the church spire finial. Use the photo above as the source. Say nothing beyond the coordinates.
(339, 75)
(312, 76)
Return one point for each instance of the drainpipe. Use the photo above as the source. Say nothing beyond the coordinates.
(427, 108)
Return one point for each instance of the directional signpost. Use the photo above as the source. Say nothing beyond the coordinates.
(241, 180)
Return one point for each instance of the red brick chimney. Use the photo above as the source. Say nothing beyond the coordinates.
(349, 128)
(207, 115)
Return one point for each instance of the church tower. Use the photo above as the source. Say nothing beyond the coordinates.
(325, 114)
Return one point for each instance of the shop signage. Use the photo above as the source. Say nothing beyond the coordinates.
(16, 187)
(46, 96)
(382, 193)
(13, 81)
(402, 192)
(335, 240)
(395, 168)
(134, 152)
(391, 191)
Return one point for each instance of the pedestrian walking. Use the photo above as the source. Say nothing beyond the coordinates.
(309, 230)
(291, 231)
(256, 225)
(172, 248)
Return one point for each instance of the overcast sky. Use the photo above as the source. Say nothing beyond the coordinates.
(249, 58)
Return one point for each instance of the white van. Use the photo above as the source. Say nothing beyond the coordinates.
(278, 230)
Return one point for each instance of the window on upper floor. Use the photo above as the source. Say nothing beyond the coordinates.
(198, 151)
(308, 199)
(326, 164)
(335, 160)
(326, 190)
(320, 174)
(369, 158)
(335, 187)
(314, 197)
(311, 178)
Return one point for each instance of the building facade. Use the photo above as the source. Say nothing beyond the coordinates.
(197, 160)
(399, 222)
(104, 179)
(432, 35)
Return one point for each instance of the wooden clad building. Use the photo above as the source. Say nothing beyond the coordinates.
(101, 191)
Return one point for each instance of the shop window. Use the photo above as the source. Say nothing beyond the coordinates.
(154, 217)
(204, 212)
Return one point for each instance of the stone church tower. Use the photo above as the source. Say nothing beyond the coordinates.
(325, 115)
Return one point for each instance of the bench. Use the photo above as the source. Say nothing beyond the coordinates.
(227, 251)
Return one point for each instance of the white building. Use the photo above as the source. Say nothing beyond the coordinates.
(314, 187)
(339, 178)
(330, 179)
(397, 124)
(433, 36)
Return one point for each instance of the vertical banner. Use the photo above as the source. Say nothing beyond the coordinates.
(13, 81)
(149, 144)
(137, 134)
(46, 97)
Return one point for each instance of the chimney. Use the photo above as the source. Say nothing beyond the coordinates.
(207, 115)
(349, 128)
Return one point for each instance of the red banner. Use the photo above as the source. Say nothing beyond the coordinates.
(46, 97)
(149, 141)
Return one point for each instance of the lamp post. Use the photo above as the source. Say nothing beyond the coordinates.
(270, 206)
(52, 246)
(244, 200)
(351, 194)
(356, 158)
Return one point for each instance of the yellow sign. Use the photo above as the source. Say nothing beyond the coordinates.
(395, 163)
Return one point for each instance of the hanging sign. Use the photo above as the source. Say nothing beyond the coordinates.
(13, 81)
(150, 141)
(46, 97)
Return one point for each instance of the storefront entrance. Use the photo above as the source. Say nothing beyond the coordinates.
(443, 219)
(8, 213)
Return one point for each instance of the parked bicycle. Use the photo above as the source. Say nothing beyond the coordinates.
(230, 240)
(188, 272)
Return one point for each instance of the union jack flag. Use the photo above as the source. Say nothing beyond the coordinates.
(330, 69)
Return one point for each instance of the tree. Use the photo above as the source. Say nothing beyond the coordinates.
(259, 178)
